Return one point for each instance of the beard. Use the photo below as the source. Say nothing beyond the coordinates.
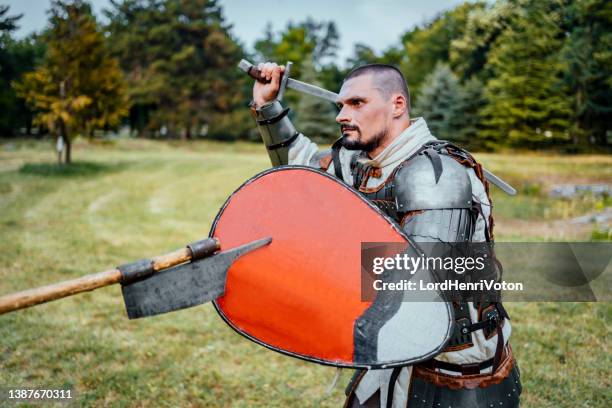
(358, 144)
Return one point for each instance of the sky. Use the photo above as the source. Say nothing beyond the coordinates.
(377, 24)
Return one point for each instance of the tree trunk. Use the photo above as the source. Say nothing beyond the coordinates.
(67, 143)
(68, 157)
(186, 133)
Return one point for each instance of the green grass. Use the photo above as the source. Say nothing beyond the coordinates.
(131, 199)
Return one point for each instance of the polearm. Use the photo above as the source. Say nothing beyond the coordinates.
(319, 92)
(179, 269)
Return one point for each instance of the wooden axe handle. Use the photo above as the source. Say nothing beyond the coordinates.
(31, 297)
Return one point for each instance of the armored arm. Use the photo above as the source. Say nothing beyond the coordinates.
(285, 145)
(277, 131)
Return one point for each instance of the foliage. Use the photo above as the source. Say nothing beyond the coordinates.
(78, 88)
(424, 47)
(469, 51)
(441, 103)
(310, 45)
(587, 69)
(16, 57)
(307, 42)
(527, 103)
(523, 73)
(316, 117)
(179, 58)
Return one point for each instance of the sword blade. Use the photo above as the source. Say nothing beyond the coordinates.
(183, 286)
(507, 188)
(312, 90)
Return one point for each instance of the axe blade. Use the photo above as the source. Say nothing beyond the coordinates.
(183, 286)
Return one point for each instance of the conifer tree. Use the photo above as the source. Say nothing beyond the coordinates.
(78, 88)
(587, 57)
(527, 103)
(180, 61)
(441, 102)
(469, 132)
(315, 117)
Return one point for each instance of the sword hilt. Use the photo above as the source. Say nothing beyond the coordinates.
(252, 71)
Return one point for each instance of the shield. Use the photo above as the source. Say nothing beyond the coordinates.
(301, 295)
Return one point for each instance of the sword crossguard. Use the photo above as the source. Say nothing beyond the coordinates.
(284, 79)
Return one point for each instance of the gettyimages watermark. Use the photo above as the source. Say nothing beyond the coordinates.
(486, 272)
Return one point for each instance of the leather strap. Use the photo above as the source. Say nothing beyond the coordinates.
(499, 350)
(457, 382)
(464, 369)
(394, 374)
(275, 119)
(284, 143)
(336, 158)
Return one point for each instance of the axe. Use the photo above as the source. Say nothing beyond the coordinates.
(319, 92)
(184, 278)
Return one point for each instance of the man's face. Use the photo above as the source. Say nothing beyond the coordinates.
(364, 114)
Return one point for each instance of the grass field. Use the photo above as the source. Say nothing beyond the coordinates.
(125, 201)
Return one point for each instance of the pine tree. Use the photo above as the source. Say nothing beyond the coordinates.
(587, 56)
(527, 104)
(469, 123)
(180, 61)
(427, 45)
(78, 88)
(441, 102)
(16, 57)
(315, 117)
(7, 95)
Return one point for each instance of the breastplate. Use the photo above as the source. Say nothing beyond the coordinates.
(382, 196)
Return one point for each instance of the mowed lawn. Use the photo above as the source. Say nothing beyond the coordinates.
(132, 199)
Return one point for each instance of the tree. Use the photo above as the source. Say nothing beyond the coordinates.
(16, 57)
(484, 23)
(441, 103)
(424, 47)
(362, 55)
(180, 62)
(587, 70)
(7, 96)
(315, 117)
(307, 42)
(78, 88)
(469, 133)
(527, 102)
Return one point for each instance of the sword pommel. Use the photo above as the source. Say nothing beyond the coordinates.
(251, 71)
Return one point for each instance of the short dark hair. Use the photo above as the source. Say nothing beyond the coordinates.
(389, 80)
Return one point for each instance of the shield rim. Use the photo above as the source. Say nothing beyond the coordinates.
(393, 224)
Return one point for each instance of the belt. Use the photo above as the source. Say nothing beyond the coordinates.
(469, 378)
(464, 369)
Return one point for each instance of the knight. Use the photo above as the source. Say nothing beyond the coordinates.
(436, 192)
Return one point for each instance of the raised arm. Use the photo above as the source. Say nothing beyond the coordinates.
(285, 145)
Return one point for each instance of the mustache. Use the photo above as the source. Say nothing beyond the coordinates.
(344, 128)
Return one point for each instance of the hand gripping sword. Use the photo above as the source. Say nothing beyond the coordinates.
(319, 92)
(184, 278)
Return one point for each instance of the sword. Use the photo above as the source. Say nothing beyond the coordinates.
(287, 82)
(319, 92)
(184, 278)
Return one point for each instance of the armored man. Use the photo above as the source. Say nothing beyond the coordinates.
(436, 192)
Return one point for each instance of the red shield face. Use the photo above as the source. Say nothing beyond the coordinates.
(301, 295)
